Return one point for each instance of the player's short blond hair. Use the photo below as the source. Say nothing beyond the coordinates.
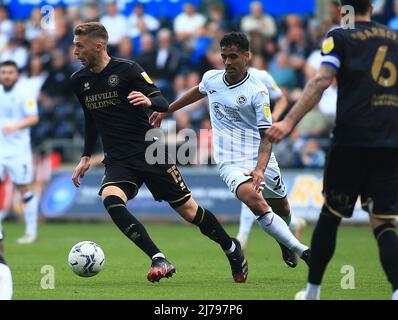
(92, 30)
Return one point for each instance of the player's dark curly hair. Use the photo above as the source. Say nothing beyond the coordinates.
(361, 7)
(237, 39)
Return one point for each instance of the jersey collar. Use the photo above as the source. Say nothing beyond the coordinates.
(231, 86)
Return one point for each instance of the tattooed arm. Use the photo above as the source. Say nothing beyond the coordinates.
(308, 100)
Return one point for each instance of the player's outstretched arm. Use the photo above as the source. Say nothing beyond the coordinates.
(309, 99)
(191, 96)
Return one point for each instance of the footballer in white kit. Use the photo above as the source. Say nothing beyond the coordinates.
(240, 114)
(15, 154)
(237, 113)
(279, 204)
(18, 112)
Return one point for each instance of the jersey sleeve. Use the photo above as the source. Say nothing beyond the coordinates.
(203, 83)
(274, 91)
(29, 106)
(261, 104)
(333, 49)
(140, 80)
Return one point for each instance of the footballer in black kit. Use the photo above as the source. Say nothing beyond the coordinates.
(116, 95)
(363, 156)
(122, 128)
(365, 139)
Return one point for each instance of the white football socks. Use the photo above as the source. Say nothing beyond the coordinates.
(247, 218)
(313, 291)
(5, 282)
(31, 213)
(277, 228)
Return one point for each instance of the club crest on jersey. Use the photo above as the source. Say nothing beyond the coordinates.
(242, 100)
(86, 86)
(113, 80)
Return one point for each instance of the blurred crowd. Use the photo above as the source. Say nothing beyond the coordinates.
(176, 53)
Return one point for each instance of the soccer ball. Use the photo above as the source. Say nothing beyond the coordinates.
(86, 259)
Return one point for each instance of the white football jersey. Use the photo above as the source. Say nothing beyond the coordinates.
(274, 91)
(15, 105)
(237, 112)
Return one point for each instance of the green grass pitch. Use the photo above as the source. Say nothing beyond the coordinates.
(202, 269)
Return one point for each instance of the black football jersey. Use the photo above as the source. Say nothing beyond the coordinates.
(103, 96)
(366, 60)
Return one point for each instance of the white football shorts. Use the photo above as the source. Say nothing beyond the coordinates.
(234, 175)
(19, 169)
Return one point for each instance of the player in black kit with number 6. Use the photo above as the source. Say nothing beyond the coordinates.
(115, 95)
(363, 157)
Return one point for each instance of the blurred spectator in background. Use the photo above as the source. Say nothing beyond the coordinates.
(116, 24)
(211, 60)
(20, 34)
(90, 12)
(326, 11)
(283, 73)
(56, 85)
(383, 10)
(188, 22)
(16, 52)
(199, 45)
(125, 48)
(334, 12)
(393, 23)
(147, 54)
(62, 34)
(191, 116)
(311, 155)
(216, 19)
(259, 22)
(57, 109)
(314, 125)
(34, 76)
(295, 44)
(33, 25)
(139, 22)
(6, 25)
(168, 63)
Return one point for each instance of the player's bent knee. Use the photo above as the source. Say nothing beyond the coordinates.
(186, 209)
(256, 203)
(113, 191)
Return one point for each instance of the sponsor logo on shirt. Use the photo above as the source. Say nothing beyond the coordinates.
(146, 77)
